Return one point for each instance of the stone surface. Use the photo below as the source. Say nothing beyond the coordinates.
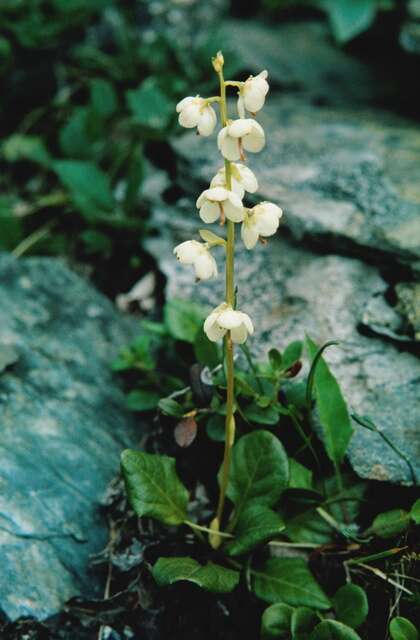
(63, 426)
(302, 57)
(349, 178)
(288, 290)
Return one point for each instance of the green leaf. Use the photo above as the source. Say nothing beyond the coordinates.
(259, 470)
(289, 580)
(206, 352)
(292, 354)
(351, 605)
(88, 186)
(275, 621)
(402, 629)
(349, 19)
(256, 525)
(215, 428)
(308, 527)
(211, 577)
(183, 319)
(304, 620)
(415, 512)
(153, 486)
(19, 147)
(260, 415)
(275, 359)
(96, 242)
(300, 476)
(73, 136)
(103, 97)
(149, 105)
(142, 400)
(390, 523)
(332, 630)
(171, 407)
(332, 409)
(10, 230)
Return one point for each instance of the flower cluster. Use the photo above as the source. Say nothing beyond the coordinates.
(223, 201)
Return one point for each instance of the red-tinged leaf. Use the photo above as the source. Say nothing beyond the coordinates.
(185, 432)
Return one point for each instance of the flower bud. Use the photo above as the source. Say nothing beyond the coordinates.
(218, 61)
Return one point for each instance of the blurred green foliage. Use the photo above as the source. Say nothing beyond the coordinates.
(89, 89)
(347, 18)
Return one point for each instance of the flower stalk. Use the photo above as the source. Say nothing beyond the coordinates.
(222, 202)
(230, 300)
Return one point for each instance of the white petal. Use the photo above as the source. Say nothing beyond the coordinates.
(268, 217)
(229, 319)
(249, 234)
(247, 322)
(241, 107)
(233, 208)
(239, 334)
(188, 251)
(207, 121)
(254, 99)
(237, 188)
(216, 194)
(190, 116)
(229, 147)
(184, 103)
(209, 212)
(241, 127)
(248, 179)
(255, 140)
(215, 333)
(205, 266)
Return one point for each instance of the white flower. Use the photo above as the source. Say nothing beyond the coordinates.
(261, 220)
(244, 133)
(195, 112)
(219, 202)
(242, 179)
(253, 92)
(197, 254)
(223, 319)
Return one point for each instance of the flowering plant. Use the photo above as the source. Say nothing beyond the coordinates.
(266, 492)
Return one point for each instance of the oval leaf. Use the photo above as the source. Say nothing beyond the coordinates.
(256, 525)
(402, 629)
(332, 409)
(415, 512)
(390, 523)
(183, 319)
(211, 577)
(153, 486)
(304, 620)
(260, 470)
(289, 580)
(332, 630)
(351, 605)
(275, 621)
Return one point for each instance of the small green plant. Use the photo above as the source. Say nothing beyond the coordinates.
(282, 484)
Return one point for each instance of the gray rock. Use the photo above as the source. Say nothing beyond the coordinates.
(302, 57)
(346, 177)
(63, 426)
(408, 294)
(288, 290)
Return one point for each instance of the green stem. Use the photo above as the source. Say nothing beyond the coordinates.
(199, 527)
(229, 349)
